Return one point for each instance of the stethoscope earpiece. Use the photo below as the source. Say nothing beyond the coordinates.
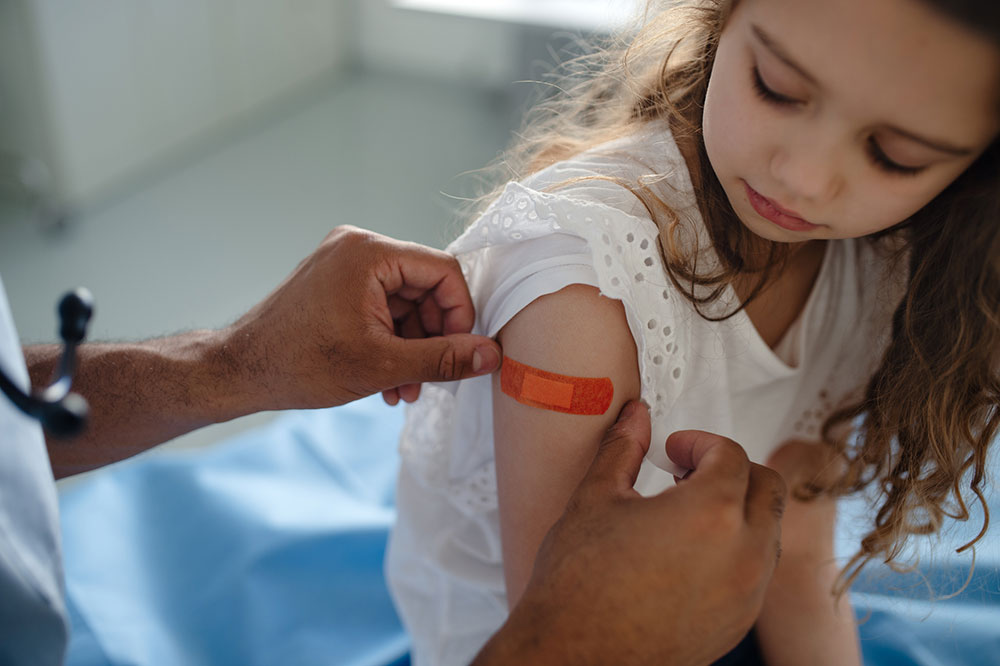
(75, 310)
(61, 413)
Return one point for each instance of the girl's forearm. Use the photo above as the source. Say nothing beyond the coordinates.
(802, 622)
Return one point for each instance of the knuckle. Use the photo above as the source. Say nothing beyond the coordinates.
(775, 485)
(344, 243)
(451, 262)
(343, 233)
(449, 366)
(736, 452)
(771, 477)
(727, 455)
(778, 501)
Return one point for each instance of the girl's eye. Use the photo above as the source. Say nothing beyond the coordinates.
(883, 162)
(767, 94)
(875, 152)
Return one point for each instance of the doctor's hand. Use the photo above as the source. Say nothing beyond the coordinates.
(678, 578)
(362, 314)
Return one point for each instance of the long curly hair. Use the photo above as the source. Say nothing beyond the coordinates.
(929, 413)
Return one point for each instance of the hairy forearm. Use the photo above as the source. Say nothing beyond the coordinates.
(362, 314)
(142, 394)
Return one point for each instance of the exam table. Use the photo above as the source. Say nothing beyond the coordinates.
(267, 549)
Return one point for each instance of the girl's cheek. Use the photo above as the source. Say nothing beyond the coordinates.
(875, 206)
(892, 200)
(723, 120)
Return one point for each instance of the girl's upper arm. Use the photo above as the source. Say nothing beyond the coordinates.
(542, 455)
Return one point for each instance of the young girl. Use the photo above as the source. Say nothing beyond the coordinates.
(766, 218)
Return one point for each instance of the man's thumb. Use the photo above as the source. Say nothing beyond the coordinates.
(620, 454)
(446, 358)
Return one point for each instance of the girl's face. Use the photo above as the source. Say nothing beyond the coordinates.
(841, 118)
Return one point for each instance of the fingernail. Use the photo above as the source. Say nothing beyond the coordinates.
(484, 359)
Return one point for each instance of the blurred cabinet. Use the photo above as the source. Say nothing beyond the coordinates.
(586, 16)
(508, 46)
(92, 92)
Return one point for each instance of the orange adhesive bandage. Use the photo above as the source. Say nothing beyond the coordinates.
(560, 393)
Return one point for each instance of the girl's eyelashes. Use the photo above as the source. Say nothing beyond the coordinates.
(882, 160)
(767, 94)
(875, 152)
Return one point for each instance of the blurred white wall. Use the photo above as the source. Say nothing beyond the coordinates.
(105, 93)
(99, 89)
(467, 50)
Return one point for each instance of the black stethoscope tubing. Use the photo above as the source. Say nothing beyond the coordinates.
(60, 412)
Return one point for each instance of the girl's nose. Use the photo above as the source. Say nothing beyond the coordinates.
(808, 170)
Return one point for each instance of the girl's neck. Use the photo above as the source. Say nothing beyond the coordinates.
(782, 300)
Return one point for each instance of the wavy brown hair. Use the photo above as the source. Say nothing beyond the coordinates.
(929, 413)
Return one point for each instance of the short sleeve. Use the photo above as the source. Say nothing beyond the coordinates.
(521, 273)
(529, 243)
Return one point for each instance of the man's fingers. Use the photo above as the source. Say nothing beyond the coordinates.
(621, 451)
(391, 397)
(400, 307)
(441, 358)
(410, 326)
(409, 392)
(421, 273)
(432, 318)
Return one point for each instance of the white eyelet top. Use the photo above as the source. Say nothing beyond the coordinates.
(540, 235)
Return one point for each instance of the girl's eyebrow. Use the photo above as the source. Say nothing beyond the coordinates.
(782, 55)
(942, 146)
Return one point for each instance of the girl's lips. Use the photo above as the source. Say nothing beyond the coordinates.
(769, 210)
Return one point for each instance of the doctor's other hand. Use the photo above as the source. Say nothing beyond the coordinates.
(678, 578)
(362, 314)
